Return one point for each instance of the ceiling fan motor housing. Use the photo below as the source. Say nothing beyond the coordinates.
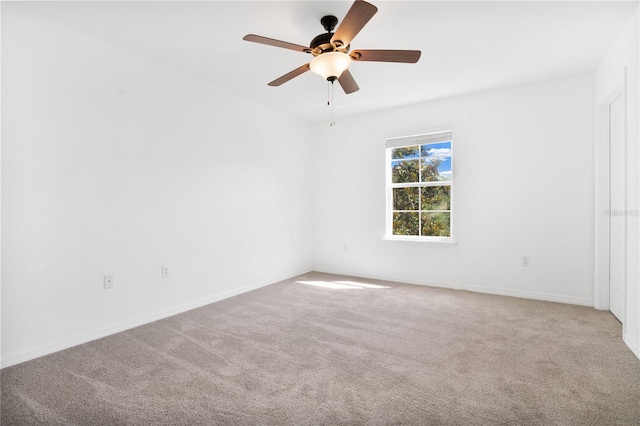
(322, 43)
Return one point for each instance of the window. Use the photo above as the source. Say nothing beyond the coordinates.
(419, 181)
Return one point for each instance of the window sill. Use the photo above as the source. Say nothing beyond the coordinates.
(434, 241)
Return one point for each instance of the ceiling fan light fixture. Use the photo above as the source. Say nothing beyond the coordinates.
(331, 64)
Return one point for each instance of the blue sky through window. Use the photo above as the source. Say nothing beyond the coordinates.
(439, 151)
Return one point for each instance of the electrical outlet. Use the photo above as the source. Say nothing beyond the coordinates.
(108, 282)
(165, 271)
(525, 260)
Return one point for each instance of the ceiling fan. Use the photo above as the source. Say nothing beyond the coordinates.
(331, 50)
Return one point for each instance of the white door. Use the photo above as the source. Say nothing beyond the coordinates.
(618, 214)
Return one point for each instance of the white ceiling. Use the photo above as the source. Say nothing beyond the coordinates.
(466, 46)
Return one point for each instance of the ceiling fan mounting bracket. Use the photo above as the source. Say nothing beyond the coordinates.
(329, 22)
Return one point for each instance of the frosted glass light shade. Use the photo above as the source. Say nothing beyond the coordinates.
(330, 64)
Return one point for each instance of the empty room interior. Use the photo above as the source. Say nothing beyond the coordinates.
(252, 212)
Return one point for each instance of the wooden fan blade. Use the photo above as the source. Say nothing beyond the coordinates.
(290, 75)
(356, 18)
(407, 56)
(273, 42)
(347, 82)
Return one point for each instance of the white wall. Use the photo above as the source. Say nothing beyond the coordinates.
(523, 185)
(620, 64)
(115, 165)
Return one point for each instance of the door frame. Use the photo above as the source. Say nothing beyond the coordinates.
(602, 199)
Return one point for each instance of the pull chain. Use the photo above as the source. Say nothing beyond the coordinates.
(330, 103)
(328, 94)
(333, 107)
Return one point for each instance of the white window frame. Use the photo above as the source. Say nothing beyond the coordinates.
(418, 138)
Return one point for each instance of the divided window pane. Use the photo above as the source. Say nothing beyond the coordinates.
(435, 197)
(405, 198)
(436, 224)
(405, 152)
(406, 223)
(405, 171)
(435, 162)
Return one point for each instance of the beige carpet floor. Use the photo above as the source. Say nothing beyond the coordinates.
(327, 350)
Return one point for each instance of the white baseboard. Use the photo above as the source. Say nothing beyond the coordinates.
(107, 331)
(549, 297)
